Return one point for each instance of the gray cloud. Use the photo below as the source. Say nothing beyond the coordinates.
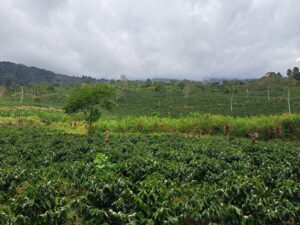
(194, 39)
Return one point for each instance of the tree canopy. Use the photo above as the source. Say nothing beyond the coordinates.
(91, 99)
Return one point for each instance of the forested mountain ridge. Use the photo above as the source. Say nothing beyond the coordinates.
(19, 74)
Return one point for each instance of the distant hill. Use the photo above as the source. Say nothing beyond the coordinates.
(12, 73)
(158, 79)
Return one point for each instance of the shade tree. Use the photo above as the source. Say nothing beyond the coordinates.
(92, 100)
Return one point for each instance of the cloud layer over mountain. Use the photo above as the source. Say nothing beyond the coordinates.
(194, 39)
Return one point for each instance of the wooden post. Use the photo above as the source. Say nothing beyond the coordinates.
(277, 131)
(107, 134)
(227, 131)
(254, 137)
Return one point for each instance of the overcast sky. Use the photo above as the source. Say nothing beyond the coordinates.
(193, 39)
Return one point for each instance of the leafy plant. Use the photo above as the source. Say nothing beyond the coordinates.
(90, 99)
(101, 162)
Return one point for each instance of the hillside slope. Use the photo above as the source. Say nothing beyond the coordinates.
(12, 73)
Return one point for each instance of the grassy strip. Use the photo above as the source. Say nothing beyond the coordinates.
(24, 107)
(36, 121)
(267, 127)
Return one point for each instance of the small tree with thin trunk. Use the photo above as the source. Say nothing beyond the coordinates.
(289, 73)
(22, 94)
(288, 100)
(91, 99)
(161, 89)
(186, 89)
(231, 87)
(270, 80)
(288, 83)
(121, 87)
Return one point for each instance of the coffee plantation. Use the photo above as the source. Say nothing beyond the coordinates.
(50, 177)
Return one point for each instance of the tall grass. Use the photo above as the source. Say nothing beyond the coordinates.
(266, 127)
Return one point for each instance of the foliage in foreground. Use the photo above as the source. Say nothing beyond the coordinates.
(48, 177)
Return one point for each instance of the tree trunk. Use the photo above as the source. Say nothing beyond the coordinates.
(169, 94)
(231, 103)
(22, 94)
(288, 100)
